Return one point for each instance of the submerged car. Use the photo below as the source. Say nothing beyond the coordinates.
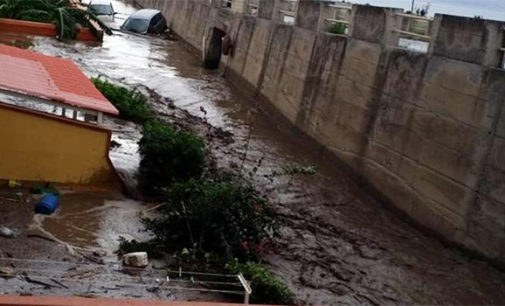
(146, 21)
(101, 8)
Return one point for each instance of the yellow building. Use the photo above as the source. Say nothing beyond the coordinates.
(40, 146)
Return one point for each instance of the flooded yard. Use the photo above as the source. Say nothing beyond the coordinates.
(339, 245)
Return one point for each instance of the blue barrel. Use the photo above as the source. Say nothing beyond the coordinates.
(48, 204)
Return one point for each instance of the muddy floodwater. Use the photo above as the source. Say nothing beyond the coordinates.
(339, 245)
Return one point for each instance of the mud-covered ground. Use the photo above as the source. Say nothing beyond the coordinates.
(339, 245)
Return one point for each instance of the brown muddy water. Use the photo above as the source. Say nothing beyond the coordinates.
(339, 245)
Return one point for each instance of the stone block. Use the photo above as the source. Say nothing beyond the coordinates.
(397, 164)
(461, 38)
(446, 192)
(281, 38)
(464, 78)
(287, 106)
(269, 88)
(497, 154)
(405, 73)
(486, 228)
(342, 139)
(494, 185)
(245, 32)
(308, 15)
(389, 183)
(292, 85)
(398, 138)
(443, 221)
(461, 168)
(455, 105)
(137, 259)
(369, 23)
(256, 51)
(500, 127)
(301, 44)
(266, 9)
(452, 134)
(327, 54)
(296, 66)
(353, 117)
(353, 92)
(360, 62)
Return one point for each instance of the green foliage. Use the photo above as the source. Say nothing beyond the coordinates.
(169, 156)
(266, 287)
(132, 104)
(221, 218)
(58, 12)
(126, 247)
(337, 28)
(299, 169)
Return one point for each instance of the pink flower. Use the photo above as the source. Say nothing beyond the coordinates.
(244, 245)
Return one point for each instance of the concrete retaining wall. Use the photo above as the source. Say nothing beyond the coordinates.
(427, 130)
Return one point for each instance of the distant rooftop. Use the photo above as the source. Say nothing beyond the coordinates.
(50, 78)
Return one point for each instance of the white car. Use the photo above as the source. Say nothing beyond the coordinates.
(102, 9)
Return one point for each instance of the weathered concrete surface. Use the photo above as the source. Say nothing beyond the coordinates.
(425, 130)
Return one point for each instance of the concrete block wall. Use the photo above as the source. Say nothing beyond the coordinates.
(427, 130)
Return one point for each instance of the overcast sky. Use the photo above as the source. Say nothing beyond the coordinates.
(489, 9)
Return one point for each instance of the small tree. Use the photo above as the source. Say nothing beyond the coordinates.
(169, 156)
(337, 28)
(132, 104)
(219, 217)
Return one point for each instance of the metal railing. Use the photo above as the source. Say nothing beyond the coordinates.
(414, 32)
(287, 11)
(111, 274)
(227, 3)
(341, 21)
(252, 8)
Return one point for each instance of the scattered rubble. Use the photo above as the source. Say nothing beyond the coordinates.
(137, 259)
(7, 272)
(8, 232)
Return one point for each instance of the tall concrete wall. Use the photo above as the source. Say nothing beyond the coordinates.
(427, 130)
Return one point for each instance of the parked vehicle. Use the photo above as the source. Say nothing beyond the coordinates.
(102, 8)
(146, 21)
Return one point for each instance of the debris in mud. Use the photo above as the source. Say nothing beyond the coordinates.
(37, 282)
(95, 258)
(7, 272)
(36, 233)
(137, 259)
(8, 232)
(114, 144)
(59, 283)
(48, 204)
(82, 274)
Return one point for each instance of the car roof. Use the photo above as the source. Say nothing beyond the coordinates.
(144, 14)
(99, 2)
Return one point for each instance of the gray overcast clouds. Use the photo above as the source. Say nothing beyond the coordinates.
(489, 9)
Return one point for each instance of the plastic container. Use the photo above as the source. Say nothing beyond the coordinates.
(48, 204)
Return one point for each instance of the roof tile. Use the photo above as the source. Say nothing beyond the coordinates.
(50, 78)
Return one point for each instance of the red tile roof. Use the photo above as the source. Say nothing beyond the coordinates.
(51, 78)
(80, 301)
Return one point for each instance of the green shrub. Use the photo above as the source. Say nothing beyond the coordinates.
(221, 218)
(169, 156)
(266, 287)
(132, 104)
(337, 28)
(59, 12)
